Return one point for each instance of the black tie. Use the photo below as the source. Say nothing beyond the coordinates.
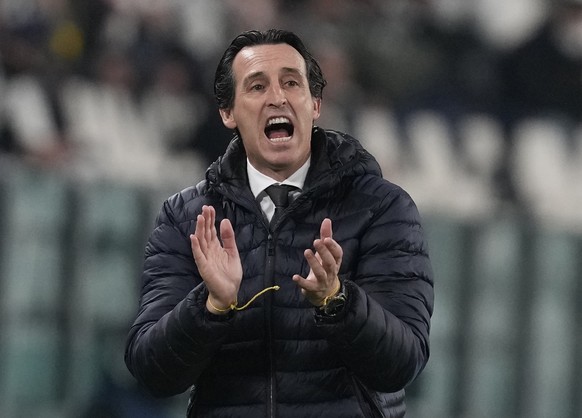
(279, 194)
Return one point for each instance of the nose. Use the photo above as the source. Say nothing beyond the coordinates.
(276, 96)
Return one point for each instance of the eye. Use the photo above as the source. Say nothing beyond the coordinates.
(292, 83)
(257, 87)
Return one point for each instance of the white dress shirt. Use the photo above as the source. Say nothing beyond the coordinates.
(258, 182)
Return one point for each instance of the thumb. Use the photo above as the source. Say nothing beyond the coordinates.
(227, 236)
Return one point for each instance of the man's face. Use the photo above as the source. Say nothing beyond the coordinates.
(273, 108)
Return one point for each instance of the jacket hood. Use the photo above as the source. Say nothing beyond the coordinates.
(339, 155)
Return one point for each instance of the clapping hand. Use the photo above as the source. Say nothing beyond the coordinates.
(218, 262)
(322, 280)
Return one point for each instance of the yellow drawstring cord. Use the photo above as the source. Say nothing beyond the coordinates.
(246, 305)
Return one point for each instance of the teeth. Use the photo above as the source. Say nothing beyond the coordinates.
(278, 120)
(279, 140)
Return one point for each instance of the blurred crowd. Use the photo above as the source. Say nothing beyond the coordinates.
(121, 90)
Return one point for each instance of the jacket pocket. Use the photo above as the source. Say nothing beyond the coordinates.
(367, 403)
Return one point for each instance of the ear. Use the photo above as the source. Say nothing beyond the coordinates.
(227, 118)
(316, 108)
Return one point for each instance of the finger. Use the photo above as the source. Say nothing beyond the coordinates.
(297, 278)
(199, 232)
(326, 237)
(197, 252)
(316, 266)
(334, 249)
(212, 222)
(300, 281)
(325, 255)
(325, 230)
(208, 223)
(317, 244)
(304, 284)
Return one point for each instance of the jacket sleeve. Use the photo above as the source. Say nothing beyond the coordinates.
(382, 334)
(173, 337)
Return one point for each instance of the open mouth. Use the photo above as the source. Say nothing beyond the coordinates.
(279, 129)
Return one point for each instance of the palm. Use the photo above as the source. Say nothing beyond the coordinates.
(218, 262)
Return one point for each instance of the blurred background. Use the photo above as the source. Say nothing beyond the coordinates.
(473, 106)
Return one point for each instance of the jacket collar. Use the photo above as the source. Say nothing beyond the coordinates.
(334, 156)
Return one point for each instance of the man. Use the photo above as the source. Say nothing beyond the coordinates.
(321, 309)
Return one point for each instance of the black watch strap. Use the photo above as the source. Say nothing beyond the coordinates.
(335, 304)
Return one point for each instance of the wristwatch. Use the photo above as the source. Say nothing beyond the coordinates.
(335, 304)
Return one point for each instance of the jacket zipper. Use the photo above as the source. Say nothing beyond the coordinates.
(269, 269)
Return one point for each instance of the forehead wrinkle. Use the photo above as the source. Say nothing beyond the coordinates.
(259, 55)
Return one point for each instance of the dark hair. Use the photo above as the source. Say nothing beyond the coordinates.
(224, 77)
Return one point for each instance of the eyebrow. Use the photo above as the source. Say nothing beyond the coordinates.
(291, 70)
(285, 70)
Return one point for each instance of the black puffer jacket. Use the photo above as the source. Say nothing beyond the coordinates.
(274, 359)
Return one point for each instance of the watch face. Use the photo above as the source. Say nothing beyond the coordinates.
(335, 305)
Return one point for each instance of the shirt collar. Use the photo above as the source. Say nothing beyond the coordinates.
(259, 182)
